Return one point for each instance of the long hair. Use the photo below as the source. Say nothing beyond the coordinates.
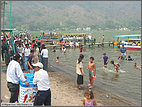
(89, 92)
(80, 58)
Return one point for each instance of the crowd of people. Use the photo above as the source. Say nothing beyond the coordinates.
(32, 55)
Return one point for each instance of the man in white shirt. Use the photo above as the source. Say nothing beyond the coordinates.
(26, 53)
(14, 75)
(44, 54)
(41, 78)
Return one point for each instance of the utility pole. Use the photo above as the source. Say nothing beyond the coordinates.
(10, 28)
(3, 14)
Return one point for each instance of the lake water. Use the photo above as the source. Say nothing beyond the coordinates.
(127, 83)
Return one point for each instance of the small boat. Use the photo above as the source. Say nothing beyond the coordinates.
(132, 42)
(131, 47)
(74, 36)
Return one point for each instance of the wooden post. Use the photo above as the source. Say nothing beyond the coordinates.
(113, 44)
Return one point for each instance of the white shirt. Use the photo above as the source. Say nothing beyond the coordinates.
(78, 66)
(26, 51)
(14, 72)
(44, 53)
(41, 79)
(90, 37)
(71, 43)
(77, 43)
(37, 49)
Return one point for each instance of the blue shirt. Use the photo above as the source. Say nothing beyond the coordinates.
(123, 50)
(105, 58)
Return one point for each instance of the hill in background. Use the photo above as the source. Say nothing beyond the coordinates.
(49, 15)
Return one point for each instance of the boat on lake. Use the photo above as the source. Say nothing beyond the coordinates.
(132, 42)
(74, 36)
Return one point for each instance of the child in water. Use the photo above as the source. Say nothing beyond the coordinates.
(81, 49)
(105, 60)
(89, 99)
(92, 71)
(116, 65)
(54, 50)
(136, 66)
(79, 71)
(129, 58)
(57, 59)
(64, 50)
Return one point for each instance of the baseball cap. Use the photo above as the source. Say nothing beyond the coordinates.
(38, 64)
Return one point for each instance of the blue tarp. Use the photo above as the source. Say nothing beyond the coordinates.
(124, 36)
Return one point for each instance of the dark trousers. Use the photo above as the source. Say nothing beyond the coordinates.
(45, 63)
(2, 55)
(14, 90)
(43, 97)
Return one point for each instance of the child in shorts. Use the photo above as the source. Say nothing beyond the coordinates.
(116, 65)
(92, 71)
(105, 60)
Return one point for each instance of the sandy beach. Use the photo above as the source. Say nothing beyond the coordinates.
(65, 92)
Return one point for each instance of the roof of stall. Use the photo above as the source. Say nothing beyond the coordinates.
(7, 30)
(135, 39)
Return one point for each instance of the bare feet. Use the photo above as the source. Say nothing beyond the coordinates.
(90, 86)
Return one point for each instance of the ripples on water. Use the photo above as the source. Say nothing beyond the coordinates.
(126, 83)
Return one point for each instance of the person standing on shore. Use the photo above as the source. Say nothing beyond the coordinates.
(36, 54)
(92, 71)
(44, 54)
(25, 54)
(79, 71)
(30, 61)
(14, 75)
(43, 96)
(33, 42)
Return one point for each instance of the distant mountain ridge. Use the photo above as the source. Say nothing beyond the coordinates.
(75, 13)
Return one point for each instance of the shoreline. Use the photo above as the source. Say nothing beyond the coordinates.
(99, 94)
(64, 92)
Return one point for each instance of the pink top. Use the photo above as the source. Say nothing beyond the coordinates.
(89, 104)
(103, 37)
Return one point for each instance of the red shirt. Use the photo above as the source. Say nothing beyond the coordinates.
(81, 49)
(33, 45)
